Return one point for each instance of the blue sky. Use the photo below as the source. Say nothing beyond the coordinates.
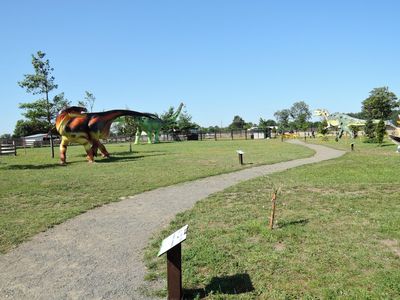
(222, 58)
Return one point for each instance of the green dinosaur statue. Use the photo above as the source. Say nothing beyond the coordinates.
(153, 126)
(341, 121)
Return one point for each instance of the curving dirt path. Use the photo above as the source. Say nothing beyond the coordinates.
(98, 255)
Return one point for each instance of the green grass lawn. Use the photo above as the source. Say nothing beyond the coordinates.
(337, 233)
(37, 193)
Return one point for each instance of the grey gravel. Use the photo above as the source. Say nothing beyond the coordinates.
(98, 255)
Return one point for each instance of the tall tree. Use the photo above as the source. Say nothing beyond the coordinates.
(185, 123)
(282, 117)
(380, 103)
(42, 83)
(380, 131)
(266, 123)
(88, 101)
(300, 113)
(237, 123)
(369, 129)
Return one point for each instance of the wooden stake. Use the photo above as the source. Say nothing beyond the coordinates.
(271, 220)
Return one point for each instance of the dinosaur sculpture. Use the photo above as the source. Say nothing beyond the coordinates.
(395, 136)
(341, 121)
(74, 124)
(152, 126)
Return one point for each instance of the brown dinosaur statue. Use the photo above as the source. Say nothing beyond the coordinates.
(75, 124)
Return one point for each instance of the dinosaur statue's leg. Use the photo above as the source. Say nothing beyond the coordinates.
(103, 150)
(137, 136)
(156, 137)
(63, 150)
(339, 134)
(89, 150)
(149, 136)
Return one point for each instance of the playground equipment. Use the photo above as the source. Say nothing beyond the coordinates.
(74, 124)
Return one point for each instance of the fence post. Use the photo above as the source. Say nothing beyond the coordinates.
(215, 135)
(245, 134)
(232, 134)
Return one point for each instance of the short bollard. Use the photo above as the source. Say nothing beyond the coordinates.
(352, 146)
(172, 245)
(240, 153)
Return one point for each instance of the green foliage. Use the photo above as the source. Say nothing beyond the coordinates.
(380, 131)
(266, 123)
(282, 117)
(29, 127)
(237, 123)
(322, 127)
(380, 103)
(185, 122)
(369, 130)
(88, 101)
(41, 83)
(295, 118)
(300, 114)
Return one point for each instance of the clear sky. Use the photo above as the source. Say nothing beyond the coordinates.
(222, 58)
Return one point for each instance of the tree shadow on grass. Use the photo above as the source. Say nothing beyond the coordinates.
(228, 285)
(300, 222)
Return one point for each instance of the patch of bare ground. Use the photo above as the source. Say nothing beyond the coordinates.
(393, 245)
(279, 246)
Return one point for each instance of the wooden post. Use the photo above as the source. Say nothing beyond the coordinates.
(352, 146)
(215, 135)
(15, 148)
(232, 134)
(271, 220)
(174, 271)
(245, 134)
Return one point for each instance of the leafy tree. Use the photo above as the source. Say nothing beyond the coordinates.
(237, 123)
(266, 123)
(300, 113)
(185, 122)
(282, 117)
(369, 129)
(380, 103)
(88, 101)
(29, 127)
(380, 131)
(42, 83)
(168, 125)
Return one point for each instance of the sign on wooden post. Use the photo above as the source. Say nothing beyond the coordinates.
(240, 153)
(172, 245)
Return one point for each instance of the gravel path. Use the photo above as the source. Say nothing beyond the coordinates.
(98, 255)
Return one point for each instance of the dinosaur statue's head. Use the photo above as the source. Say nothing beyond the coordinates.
(321, 112)
(73, 110)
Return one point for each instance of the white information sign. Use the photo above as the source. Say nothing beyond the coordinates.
(174, 239)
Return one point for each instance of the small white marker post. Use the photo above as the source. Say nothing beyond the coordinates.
(240, 153)
(172, 245)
